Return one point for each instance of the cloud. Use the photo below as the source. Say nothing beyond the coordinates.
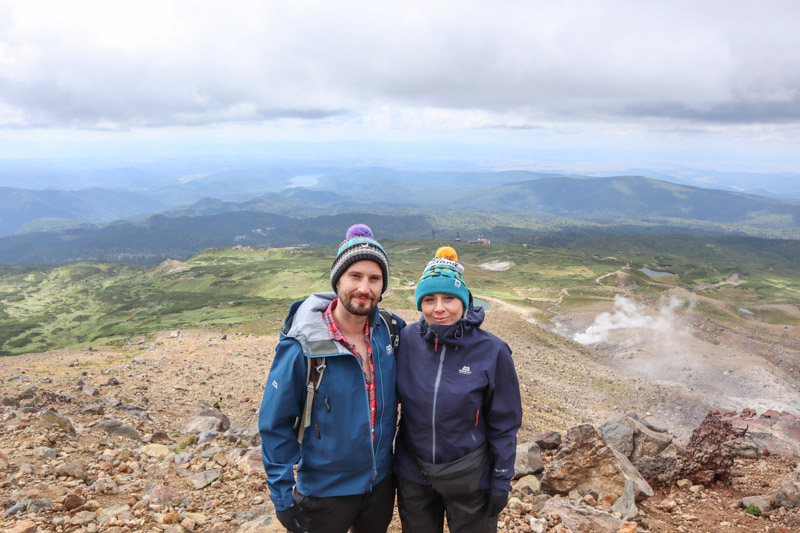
(516, 65)
(631, 324)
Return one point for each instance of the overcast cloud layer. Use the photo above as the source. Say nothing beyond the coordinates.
(730, 68)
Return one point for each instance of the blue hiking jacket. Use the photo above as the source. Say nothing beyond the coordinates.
(338, 456)
(458, 389)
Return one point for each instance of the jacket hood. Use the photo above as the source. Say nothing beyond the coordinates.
(453, 334)
(307, 326)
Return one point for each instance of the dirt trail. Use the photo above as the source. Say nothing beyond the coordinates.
(526, 313)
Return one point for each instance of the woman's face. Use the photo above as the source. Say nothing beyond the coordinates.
(440, 308)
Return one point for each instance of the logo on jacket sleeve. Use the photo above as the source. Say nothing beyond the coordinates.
(465, 370)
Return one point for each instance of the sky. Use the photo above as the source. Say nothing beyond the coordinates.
(612, 82)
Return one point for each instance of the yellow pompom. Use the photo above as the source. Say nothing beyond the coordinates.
(446, 252)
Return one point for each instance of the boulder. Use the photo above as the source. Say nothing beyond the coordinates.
(251, 462)
(204, 479)
(105, 485)
(528, 460)
(206, 436)
(74, 469)
(9, 402)
(626, 504)
(121, 512)
(266, 523)
(117, 428)
(528, 485)
(744, 447)
(73, 501)
(704, 461)
(39, 504)
(634, 437)
(201, 424)
(90, 391)
(83, 518)
(28, 393)
(581, 518)
(777, 432)
(225, 422)
(134, 411)
(96, 409)
(584, 462)
(159, 435)
(547, 440)
(18, 507)
(249, 435)
(180, 458)
(789, 494)
(155, 450)
(763, 502)
(51, 419)
(44, 452)
(24, 526)
(165, 496)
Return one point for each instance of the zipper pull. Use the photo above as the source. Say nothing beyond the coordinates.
(477, 413)
(435, 343)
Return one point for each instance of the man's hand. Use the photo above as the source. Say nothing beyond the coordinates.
(497, 502)
(288, 518)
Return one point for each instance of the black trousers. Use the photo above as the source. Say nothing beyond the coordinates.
(422, 510)
(361, 513)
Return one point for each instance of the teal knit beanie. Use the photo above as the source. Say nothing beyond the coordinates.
(445, 275)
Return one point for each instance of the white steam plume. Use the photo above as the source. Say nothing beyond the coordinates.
(631, 323)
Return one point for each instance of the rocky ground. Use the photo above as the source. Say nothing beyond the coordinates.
(128, 438)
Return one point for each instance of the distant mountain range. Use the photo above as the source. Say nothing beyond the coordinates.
(55, 209)
(632, 198)
(160, 237)
(148, 226)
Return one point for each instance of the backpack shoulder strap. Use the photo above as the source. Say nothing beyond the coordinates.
(317, 364)
(314, 364)
(392, 325)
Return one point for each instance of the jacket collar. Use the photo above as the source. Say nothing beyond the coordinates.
(453, 334)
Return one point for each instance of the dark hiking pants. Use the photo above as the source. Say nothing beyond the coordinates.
(361, 513)
(422, 510)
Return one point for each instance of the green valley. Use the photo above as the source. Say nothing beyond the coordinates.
(249, 289)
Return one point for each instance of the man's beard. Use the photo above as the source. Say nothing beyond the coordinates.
(359, 309)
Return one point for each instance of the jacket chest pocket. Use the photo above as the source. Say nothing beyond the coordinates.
(462, 392)
(339, 407)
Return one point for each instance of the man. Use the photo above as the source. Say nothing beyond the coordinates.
(330, 404)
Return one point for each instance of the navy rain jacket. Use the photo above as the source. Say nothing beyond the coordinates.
(458, 388)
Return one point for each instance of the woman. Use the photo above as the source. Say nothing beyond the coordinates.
(461, 410)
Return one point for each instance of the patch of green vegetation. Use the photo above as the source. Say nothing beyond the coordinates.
(47, 307)
(753, 509)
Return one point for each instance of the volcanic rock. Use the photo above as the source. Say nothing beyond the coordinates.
(634, 437)
(117, 428)
(581, 518)
(585, 462)
(51, 419)
(528, 460)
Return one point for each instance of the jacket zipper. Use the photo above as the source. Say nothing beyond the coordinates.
(435, 395)
(369, 415)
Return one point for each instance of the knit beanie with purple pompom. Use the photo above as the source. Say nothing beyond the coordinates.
(359, 244)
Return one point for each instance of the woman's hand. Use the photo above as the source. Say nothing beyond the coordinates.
(497, 502)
